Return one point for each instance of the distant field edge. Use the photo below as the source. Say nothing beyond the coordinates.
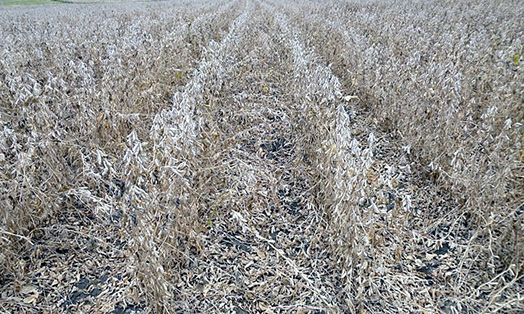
(9, 3)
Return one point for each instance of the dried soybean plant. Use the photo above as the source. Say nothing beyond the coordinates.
(79, 97)
(443, 80)
(120, 124)
(168, 212)
(342, 163)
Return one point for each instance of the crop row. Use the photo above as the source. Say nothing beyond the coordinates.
(443, 81)
(80, 101)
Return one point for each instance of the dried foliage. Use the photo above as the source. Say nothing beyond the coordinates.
(84, 94)
(444, 81)
(262, 156)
